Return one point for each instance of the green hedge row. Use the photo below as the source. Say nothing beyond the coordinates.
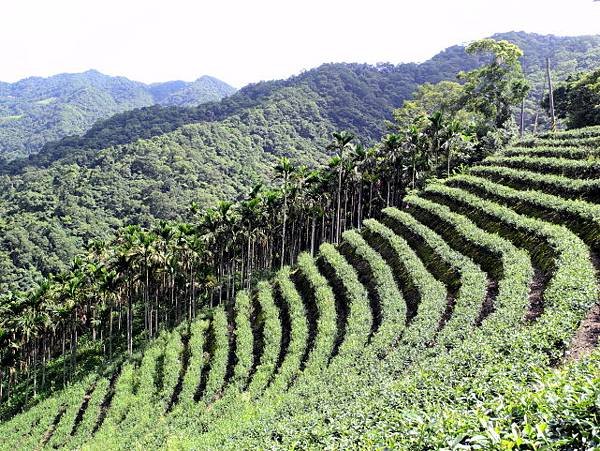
(290, 366)
(439, 396)
(172, 366)
(428, 294)
(587, 132)
(135, 404)
(91, 414)
(588, 189)
(62, 433)
(581, 217)
(348, 289)
(216, 337)
(464, 279)
(350, 399)
(27, 430)
(191, 379)
(572, 287)
(219, 356)
(505, 263)
(557, 166)
(446, 387)
(574, 153)
(379, 280)
(271, 338)
(147, 404)
(309, 287)
(590, 141)
(120, 405)
(36, 426)
(326, 330)
(244, 340)
(243, 337)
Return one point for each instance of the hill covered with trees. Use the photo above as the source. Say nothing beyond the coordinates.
(149, 164)
(356, 97)
(38, 110)
(578, 99)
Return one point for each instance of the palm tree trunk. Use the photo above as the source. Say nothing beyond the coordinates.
(74, 347)
(370, 198)
(339, 203)
(312, 236)
(350, 212)
(34, 367)
(388, 189)
(45, 347)
(129, 324)
(283, 233)
(64, 345)
(359, 207)
(110, 332)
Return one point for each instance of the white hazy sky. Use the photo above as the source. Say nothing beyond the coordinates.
(247, 41)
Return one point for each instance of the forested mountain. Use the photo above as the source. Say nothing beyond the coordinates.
(182, 93)
(37, 110)
(356, 97)
(151, 163)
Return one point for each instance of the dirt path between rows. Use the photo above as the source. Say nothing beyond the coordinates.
(587, 335)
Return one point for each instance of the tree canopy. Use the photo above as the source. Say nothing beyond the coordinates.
(578, 99)
(495, 88)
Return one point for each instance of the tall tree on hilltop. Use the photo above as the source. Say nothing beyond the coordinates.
(493, 89)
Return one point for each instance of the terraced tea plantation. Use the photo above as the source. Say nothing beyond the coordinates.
(463, 319)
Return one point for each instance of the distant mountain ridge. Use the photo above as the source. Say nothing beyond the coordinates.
(183, 93)
(36, 110)
(380, 88)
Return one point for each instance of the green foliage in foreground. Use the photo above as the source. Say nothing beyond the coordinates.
(422, 329)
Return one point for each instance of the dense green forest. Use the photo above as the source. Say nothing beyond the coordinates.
(38, 110)
(50, 213)
(85, 187)
(367, 96)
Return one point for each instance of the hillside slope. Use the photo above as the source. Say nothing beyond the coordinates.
(382, 88)
(435, 326)
(38, 110)
(181, 93)
(49, 213)
(149, 164)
